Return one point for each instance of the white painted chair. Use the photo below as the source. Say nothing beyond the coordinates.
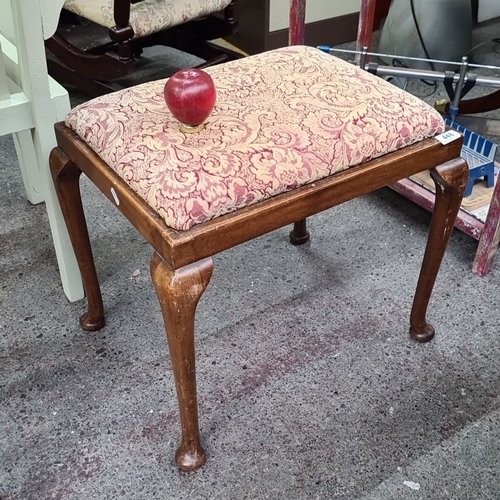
(30, 103)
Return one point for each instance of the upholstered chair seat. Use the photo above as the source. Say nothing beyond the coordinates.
(147, 16)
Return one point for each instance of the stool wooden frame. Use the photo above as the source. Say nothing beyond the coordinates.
(181, 265)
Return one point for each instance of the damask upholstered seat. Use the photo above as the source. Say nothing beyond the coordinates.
(294, 132)
(282, 119)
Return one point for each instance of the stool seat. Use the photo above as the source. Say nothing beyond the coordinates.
(282, 119)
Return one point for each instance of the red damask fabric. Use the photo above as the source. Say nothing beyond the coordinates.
(282, 119)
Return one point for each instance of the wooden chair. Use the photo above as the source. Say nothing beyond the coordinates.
(30, 104)
(294, 132)
(92, 57)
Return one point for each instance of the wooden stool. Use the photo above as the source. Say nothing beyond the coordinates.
(294, 132)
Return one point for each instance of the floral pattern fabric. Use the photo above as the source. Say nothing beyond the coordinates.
(282, 119)
(148, 16)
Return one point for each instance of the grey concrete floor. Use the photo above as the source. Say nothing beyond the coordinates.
(309, 385)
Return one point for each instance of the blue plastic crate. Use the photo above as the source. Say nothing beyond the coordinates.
(479, 153)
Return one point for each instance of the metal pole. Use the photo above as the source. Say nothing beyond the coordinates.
(422, 74)
(332, 50)
(363, 57)
(458, 89)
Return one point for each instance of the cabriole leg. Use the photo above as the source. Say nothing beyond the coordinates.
(179, 292)
(66, 176)
(450, 180)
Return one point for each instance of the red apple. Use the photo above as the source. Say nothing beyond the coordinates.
(190, 96)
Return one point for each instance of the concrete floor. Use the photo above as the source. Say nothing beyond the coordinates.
(309, 385)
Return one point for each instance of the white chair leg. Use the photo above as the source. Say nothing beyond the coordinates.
(66, 260)
(23, 61)
(39, 187)
(26, 155)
